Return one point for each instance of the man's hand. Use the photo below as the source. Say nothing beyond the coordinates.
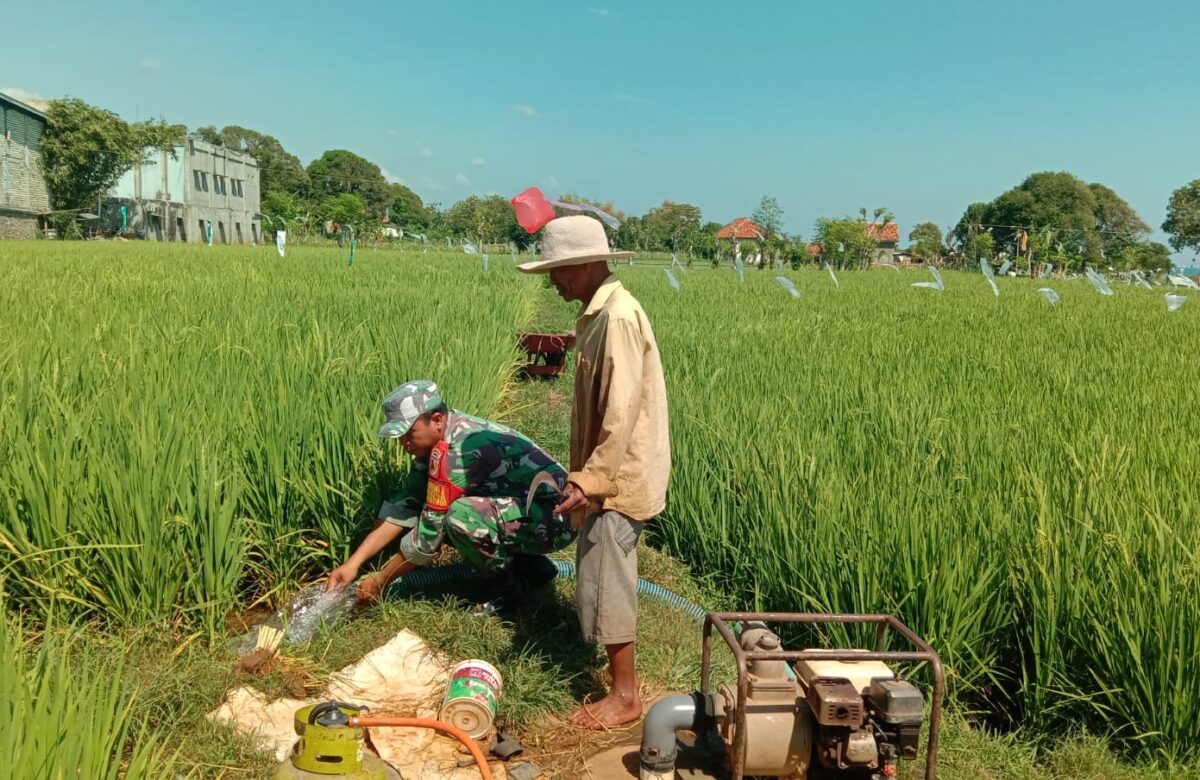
(573, 498)
(370, 589)
(341, 576)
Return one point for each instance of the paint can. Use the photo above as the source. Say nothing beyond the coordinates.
(471, 697)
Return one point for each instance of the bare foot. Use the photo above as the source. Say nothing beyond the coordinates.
(611, 711)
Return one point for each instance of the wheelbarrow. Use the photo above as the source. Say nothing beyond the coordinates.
(546, 353)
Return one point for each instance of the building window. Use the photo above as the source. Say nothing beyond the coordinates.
(236, 186)
(218, 184)
(200, 179)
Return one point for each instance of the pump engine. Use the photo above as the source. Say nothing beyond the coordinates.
(805, 715)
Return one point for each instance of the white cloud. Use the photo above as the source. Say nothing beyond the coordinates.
(393, 132)
(478, 161)
(463, 180)
(392, 178)
(597, 11)
(550, 181)
(526, 110)
(424, 150)
(149, 64)
(430, 183)
(625, 97)
(24, 95)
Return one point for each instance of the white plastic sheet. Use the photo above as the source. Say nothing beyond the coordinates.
(986, 267)
(671, 278)
(676, 264)
(890, 265)
(281, 242)
(1004, 268)
(1174, 302)
(469, 248)
(1140, 280)
(1179, 280)
(1045, 274)
(937, 284)
(1050, 295)
(1098, 282)
(786, 283)
(829, 268)
(741, 268)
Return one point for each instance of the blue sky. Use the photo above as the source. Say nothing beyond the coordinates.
(921, 106)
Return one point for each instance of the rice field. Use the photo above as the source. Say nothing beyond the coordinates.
(186, 429)
(1019, 482)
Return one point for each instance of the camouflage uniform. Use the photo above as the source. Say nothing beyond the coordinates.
(494, 467)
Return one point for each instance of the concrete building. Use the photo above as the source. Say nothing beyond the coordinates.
(182, 197)
(23, 196)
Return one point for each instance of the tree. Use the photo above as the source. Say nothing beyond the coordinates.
(1183, 218)
(1118, 226)
(344, 209)
(85, 150)
(406, 208)
(928, 241)
(970, 223)
(278, 170)
(979, 247)
(482, 218)
(1146, 256)
(1055, 200)
(280, 206)
(631, 235)
(845, 243)
(338, 171)
(672, 226)
(768, 215)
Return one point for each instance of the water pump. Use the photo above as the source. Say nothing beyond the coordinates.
(804, 715)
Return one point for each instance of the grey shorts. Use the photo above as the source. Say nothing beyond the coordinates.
(606, 578)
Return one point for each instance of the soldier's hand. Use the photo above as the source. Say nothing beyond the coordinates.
(370, 589)
(341, 576)
(573, 498)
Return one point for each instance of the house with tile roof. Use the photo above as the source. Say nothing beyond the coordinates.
(741, 229)
(887, 240)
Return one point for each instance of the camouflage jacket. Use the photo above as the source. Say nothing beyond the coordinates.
(485, 459)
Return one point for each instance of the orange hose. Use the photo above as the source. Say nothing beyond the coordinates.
(436, 725)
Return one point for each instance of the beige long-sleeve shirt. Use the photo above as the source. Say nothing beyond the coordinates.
(620, 445)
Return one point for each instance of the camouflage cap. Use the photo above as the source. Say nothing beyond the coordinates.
(405, 404)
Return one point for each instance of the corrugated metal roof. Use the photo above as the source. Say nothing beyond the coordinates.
(12, 101)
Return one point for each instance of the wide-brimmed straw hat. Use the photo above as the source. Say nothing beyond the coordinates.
(572, 241)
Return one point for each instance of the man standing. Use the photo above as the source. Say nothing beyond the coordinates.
(475, 485)
(620, 450)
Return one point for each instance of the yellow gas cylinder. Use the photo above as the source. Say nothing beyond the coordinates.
(329, 747)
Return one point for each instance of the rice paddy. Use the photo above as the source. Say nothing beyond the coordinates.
(1017, 481)
(186, 429)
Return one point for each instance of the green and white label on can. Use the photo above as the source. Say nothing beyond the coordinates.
(471, 698)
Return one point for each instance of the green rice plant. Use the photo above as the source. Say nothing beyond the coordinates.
(1015, 481)
(186, 428)
(64, 719)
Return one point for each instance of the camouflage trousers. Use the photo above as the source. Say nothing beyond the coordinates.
(487, 532)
